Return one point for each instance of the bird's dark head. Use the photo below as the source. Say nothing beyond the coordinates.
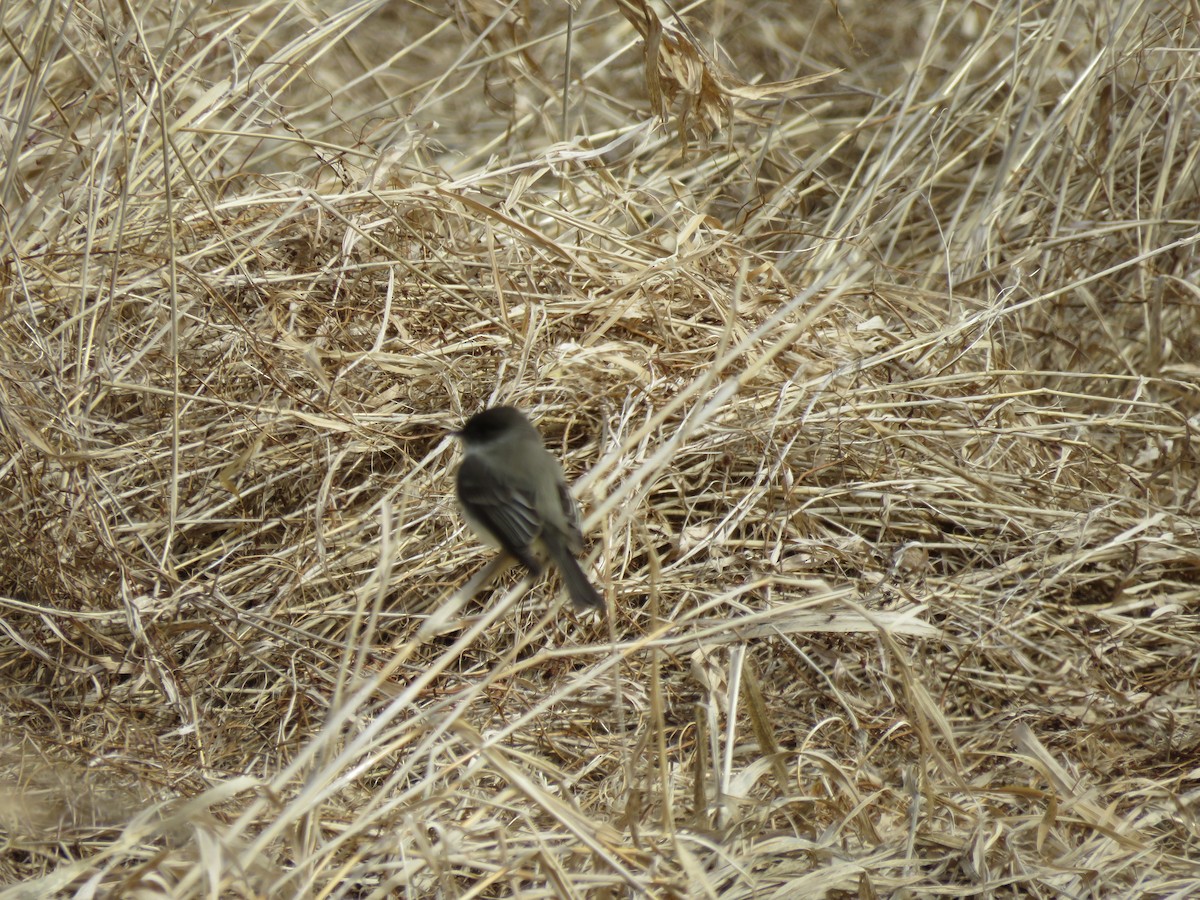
(492, 424)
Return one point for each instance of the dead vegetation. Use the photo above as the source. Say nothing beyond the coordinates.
(871, 338)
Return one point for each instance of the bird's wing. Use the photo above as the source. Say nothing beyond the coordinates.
(507, 512)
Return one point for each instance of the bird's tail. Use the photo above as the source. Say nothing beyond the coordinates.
(579, 589)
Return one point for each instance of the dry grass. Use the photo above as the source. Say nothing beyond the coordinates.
(881, 389)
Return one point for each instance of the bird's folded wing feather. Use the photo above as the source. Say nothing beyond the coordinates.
(508, 513)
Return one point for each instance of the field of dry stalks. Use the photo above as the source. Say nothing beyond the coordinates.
(869, 336)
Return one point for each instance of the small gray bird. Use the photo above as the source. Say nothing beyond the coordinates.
(513, 494)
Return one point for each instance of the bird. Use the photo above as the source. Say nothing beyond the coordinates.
(512, 493)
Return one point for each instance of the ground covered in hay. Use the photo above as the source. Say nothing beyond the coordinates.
(870, 342)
